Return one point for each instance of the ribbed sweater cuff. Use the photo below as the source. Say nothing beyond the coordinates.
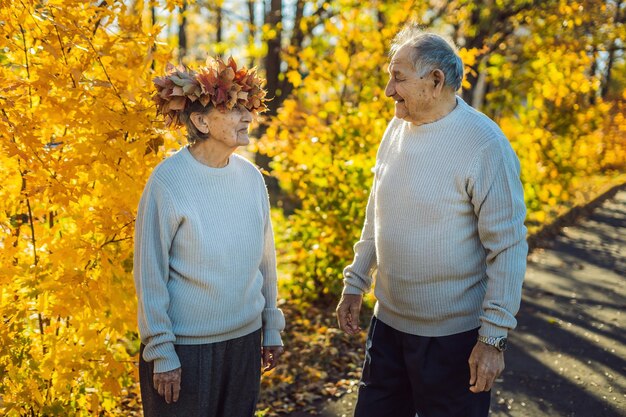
(355, 282)
(273, 318)
(168, 359)
(273, 323)
(488, 329)
(272, 337)
(352, 290)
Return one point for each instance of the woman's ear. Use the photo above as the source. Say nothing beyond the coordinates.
(200, 121)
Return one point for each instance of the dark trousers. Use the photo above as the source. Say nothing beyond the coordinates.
(218, 380)
(406, 374)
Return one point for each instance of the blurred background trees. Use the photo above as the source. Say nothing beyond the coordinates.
(79, 138)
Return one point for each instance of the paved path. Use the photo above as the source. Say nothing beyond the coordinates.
(567, 357)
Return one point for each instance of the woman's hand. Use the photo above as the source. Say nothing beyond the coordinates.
(168, 384)
(270, 355)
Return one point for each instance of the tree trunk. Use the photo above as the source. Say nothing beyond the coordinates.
(182, 34)
(273, 58)
(153, 22)
(475, 41)
(606, 82)
(297, 37)
(478, 93)
(251, 27)
(592, 72)
(272, 63)
(218, 24)
(468, 93)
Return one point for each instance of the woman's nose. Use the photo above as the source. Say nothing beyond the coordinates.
(246, 116)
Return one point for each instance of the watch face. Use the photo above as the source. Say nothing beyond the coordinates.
(502, 344)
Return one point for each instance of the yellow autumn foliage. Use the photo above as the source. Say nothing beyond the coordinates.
(79, 139)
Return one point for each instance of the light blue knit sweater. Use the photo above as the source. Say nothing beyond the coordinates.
(444, 228)
(205, 265)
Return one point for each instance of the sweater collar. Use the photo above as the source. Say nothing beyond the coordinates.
(440, 123)
(230, 167)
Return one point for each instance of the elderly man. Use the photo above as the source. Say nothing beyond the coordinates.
(444, 230)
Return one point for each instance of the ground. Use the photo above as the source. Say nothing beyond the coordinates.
(567, 357)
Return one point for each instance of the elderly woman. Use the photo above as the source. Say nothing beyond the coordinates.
(205, 269)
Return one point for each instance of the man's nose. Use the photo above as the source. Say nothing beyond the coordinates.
(390, 90)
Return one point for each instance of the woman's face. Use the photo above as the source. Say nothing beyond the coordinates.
(231, 126)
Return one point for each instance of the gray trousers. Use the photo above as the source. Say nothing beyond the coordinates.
(218, 380)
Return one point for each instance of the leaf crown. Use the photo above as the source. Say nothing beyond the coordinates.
(219, 84)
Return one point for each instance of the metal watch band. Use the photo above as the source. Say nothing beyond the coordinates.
(497, 342)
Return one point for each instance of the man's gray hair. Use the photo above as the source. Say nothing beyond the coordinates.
(429, 52)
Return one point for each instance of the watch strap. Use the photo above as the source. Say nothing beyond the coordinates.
(497, 342)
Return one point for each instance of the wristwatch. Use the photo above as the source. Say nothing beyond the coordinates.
(497, 342)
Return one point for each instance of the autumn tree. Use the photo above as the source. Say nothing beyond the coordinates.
(78, 140)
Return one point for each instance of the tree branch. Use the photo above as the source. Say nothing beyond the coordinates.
(117, 93)
(25, 49)
(56, 28)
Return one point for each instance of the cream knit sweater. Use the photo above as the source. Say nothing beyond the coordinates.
(204, 266)
(444, 228)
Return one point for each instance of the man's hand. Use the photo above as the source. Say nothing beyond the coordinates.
(269, 356)
(168, 384)
(348, 311)
(486, 363)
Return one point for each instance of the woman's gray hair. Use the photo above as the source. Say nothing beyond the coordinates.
(193, 134)
(429, 52)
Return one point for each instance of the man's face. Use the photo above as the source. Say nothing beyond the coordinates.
(413, 94)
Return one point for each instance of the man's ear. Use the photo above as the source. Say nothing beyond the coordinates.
(439, 81)
(200, 121)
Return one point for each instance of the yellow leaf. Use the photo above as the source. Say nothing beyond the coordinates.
(294, 78)
(342, 58)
